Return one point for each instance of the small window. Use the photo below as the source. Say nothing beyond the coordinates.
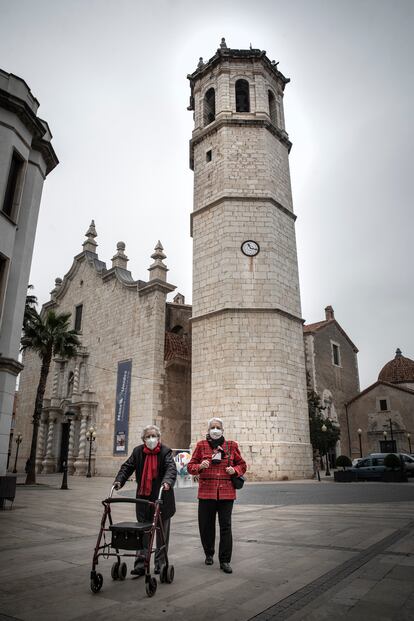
(3, 279)
(12, 194)
(209, 106)
(272, 108)
(336, 359)
(383, 405)
(209, 156)
(78, 317)
(242, 96)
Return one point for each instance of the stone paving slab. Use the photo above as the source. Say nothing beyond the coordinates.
(284, 557)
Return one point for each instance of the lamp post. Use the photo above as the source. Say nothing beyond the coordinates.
(19, 439)
(64, 485)
(327, 471)
(360, 442)
(90, 436)
(392, 435)
(409, 441)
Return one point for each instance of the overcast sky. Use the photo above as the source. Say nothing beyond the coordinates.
(111, 80)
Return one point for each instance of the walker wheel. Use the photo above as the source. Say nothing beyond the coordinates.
(151, 587)
(96, 583)
(122, 571)
(115, 571)
(163, 573)
(169, 576)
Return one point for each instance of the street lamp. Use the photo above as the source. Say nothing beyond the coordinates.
(64, 485)
(360, 443)
(409, 441)
(91, 437)
(19, 439)
(327, 471)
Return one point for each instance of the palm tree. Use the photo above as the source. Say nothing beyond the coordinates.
(48, 335)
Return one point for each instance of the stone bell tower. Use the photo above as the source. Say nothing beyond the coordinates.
(248, 363)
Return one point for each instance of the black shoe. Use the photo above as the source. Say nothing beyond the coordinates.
(226, 568)
(209, 560)
(156, 569)
(137, 571)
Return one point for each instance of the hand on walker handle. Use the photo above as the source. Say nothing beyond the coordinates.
(230, 470)
(116, 485)
(204, 464)
(166, 486)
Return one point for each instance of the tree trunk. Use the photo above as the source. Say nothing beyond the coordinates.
(44, 372)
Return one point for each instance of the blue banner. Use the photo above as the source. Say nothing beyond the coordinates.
(123, 391)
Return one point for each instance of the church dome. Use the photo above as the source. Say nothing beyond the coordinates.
(397, 371)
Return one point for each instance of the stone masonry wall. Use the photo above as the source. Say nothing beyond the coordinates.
(341, 381)
(255, 381)
(365, 414)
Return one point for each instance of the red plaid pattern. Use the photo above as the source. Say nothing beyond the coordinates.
(214, 482)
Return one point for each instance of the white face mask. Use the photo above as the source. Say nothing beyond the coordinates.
(151, 442)
(215, 433)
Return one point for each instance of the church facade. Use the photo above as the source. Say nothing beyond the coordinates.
(133, 368)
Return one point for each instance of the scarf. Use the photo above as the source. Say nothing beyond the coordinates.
(150, 470)
(215, 443)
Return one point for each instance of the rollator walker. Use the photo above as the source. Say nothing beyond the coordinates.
(129, 536)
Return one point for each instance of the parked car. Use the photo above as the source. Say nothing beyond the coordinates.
(356, 461)
(407, 459)
(372, 467)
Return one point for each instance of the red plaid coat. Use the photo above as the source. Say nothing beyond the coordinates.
(214, 482)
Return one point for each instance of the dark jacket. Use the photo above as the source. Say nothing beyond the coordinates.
(167, 473)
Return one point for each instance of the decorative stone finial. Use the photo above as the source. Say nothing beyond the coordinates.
(120, 259)
(58, 284)
(398, 352)
(223, 44)
(158, 270)
(200, 63)
(90, 244)
(329, 313)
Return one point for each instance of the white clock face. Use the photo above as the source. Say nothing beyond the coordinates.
(250, 248)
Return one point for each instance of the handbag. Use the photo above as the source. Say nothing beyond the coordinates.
(237, 481)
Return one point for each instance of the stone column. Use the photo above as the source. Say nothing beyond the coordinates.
(48, 463)
(55, 380)
(81, 461)
(40, 445)
(71, 447)
(76, 380)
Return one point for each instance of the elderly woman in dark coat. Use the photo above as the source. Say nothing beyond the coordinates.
(154, 466)
(215, 460)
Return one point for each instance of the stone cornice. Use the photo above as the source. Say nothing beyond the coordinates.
(35, 125)
(225, 54)
(247, 309)
(249, 199)
(10, 365)
(156, 285)
(213, 127)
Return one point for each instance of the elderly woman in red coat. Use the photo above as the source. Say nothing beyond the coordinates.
(214, 461)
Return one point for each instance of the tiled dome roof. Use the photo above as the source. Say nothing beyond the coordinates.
(397, 371)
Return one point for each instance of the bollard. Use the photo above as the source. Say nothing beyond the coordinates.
(65, 476)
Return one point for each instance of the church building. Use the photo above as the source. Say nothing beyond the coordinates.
(133, 368)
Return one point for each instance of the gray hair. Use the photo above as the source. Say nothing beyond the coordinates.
(217, 419)
(147, 428)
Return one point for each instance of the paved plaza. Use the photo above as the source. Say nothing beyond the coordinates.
(302, 550)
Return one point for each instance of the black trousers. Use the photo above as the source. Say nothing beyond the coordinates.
(207, 511)
(159, 554)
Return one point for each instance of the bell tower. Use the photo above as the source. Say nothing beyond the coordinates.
(248, 363)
